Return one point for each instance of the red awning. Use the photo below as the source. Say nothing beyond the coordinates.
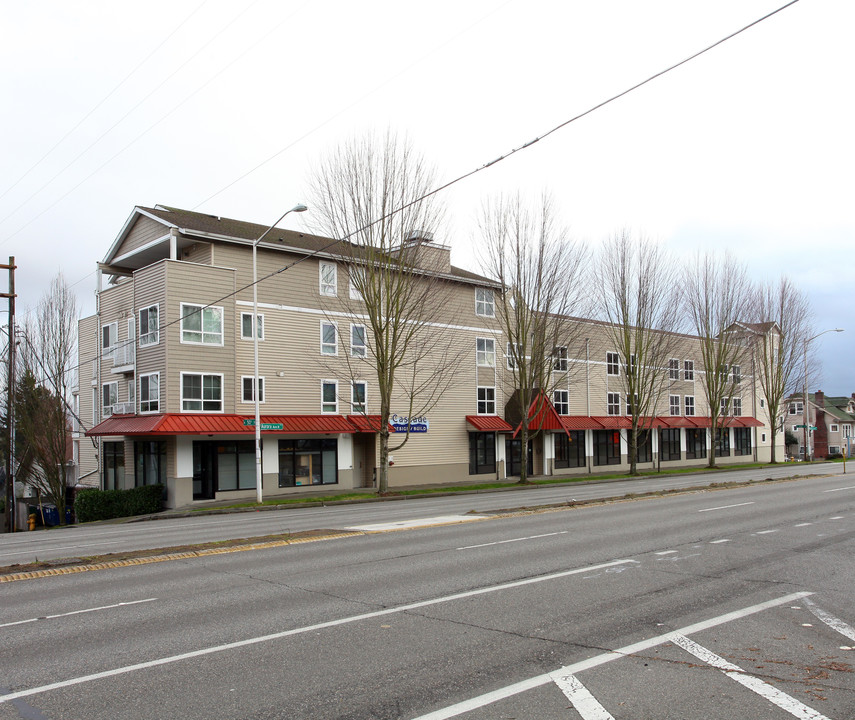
(365, 423)
(579, 422)
(190, 424)
(613, 422)
(488, 423)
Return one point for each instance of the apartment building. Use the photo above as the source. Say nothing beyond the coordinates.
(167, 376)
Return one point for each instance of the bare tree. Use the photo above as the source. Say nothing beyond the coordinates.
(716, 290)
(782, 324)
(373, 194)
(44, 393)
(636, 291)
(539, 270)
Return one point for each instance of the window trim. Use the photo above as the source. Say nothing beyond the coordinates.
(613, 402)
(354, 407)
(485, 353)
(487, 402)
(488, 305)
(688, 369)
(672, 405)
(736, 407)
(202, 400)
(148, 399)
(334, 384)
(565, 403)
(262, 385)
(104, 386)
(613, 364)
(686, 403)
(260, 326)
(334, 344)
(113, 337)
(354, 292)
(333, 284)
(141, 340)
(217, 309)
(559, 356)
(834, 427)
(673, 368)
(364, 346)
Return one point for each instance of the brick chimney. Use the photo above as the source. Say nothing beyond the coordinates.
(819, 398)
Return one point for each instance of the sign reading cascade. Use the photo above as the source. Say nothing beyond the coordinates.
(400, 423)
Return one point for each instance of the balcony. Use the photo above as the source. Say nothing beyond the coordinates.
(123, 356)
(124, 408)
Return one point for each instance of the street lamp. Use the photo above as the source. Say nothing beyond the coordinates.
(806, 404)
(297, 208)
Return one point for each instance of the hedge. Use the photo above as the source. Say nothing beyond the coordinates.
(106, 504)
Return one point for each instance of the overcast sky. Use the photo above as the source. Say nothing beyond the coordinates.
(223, 106)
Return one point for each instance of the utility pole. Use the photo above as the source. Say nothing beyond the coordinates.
(10, 401)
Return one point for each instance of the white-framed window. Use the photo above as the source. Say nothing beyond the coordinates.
(834, 428)
(485, 303)
(613, 403)
(762, 402)
(150, 392)
(674, 404)
(723, 372)
(485, 352)
(559, 358)
(149, 325)
(201, 392)
(762, 437)
(246, 383)
(328, 279)
(329, 338)
(109, 338)
(358, 279)
(631, 366)
(796, 408)
(724, 406)
(357, 341)
(612, 363)
(329, 396)
(132, 394)
(689, 405)
(736, 371)
(561, 401)
(201, 325)
(688, 369)
(673, 369)
(357, 397)
(94, 405)
(109, 398)
(736, 407)
(795, 429)
(246, 326)
(486, 401)
(847, 430)
(833, 449)
(510, 359)
(630, 404)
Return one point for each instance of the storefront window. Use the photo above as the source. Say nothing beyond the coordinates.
(742, 441)
(606, 447)
(236, 465)
(696, 443)
(669, 444)
(482, 453)
(570, 451)
(114, 465)
(722, 442)
(308, 462)
(149, 462)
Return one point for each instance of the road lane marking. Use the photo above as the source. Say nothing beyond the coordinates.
(666, 552)
(36, 551)
(725, 507)
(803, 524)
(832, 622)
(717, 542)
(584, 703)
(77, 612)
(539, 680)
(307, 629)
(502, 542)
(417, 523)
(755, 684)
(837, 517)
(851, 487)
(765, 532)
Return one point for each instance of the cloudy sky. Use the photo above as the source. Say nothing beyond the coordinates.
(223, 106)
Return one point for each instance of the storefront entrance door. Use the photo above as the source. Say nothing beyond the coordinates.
(204, 470)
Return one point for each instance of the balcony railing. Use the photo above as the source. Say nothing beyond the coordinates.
(125, 408)
(123, 355)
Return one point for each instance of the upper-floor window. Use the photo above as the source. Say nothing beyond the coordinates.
(736, 407)
(631, 366)
(150, 393)
(561, 401)
(201, 392)
(724, 407)
(109, 338)
(329, 396)
(329, 339)
(689, 405)
(200, 324)
(246, 326)
(834, 428)
(612, 363)
(737, 374)
(358, 283)
(723, 371)
(485, 304)
(109, 398)
(796, 408)
(485, 352)
(847, 430)
(613, 403)
(631, 402)
(329, 279)
(688, 369)
(486, 401)
(357, 341)
(246, 383)
(559, 358)
(762, 402)
(357, 397)
(673, 369)
(512, 352)
(149, 325)
(674, 404)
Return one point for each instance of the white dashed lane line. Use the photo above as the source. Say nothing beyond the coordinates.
(666, 552)
(718, 542)
(584, 703)
(520, 539)
(764, 532)
(725, 507)
(851, 487)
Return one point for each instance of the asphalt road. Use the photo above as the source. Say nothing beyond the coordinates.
(97, 539)
(726, 604)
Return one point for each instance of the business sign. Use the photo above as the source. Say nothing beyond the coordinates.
(400, 423)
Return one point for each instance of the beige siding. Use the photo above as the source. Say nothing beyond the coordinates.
(115, 304)
(87, 334)
(201, 253)
(144, 231)
(150, 289)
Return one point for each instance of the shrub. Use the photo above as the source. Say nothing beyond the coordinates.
(106, 504)
(833, 456)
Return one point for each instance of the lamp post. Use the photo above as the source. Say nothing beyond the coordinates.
(806, 404)
(258, 492)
